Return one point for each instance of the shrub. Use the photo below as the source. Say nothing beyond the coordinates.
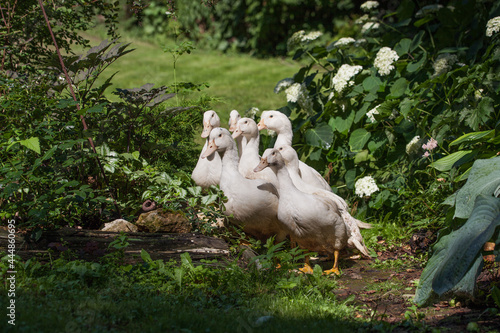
(52, 173)
(257, 26)
(389, 101)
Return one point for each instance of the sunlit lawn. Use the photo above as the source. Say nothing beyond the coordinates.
(239, 81)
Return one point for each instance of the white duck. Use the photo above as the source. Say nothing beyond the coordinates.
(279, 122)
(292, 164)
(234, 117)
(253, 203)
(247, 128)
(312, 221)
(208, 170)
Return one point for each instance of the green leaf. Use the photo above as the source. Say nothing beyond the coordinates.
(371, 83)
(480, 115)
(378, 140)
(343, 123)
(208, 199)
(414, 66)
(484, 178)
(403, 46)
(32, 143)
(96, 108)
(473, 137)
(145, 256)
(447, 162)
(358, 139)
(320, 136)
(417, 40)
(399, 87)
(406, 106)
(361, 156)
(136, 155)
(467, 245)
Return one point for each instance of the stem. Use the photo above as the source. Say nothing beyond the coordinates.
(91, 142)
(175, 82)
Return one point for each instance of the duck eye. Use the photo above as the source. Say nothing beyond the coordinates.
(281, 148)
(220, 135)
(270, 116)
(246, 122)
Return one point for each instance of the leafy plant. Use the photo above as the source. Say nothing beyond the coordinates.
(457, 257)
(256, 26)
(368, 103)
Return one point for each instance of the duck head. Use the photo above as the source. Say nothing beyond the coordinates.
(219, 140)
(210, 120)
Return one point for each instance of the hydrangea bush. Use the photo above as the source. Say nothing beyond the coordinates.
(409, 99)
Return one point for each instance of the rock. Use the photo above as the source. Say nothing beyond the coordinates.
(120, 225)
(160, 220)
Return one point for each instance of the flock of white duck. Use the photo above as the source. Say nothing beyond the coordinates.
(276, 194)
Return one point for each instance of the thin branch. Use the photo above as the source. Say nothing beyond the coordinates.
(68, 80)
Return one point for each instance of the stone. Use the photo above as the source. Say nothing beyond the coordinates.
(161, 220)
(120, 225)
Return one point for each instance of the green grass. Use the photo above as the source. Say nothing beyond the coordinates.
(154, 296)
(239, 81)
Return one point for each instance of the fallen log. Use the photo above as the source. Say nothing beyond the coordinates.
(93, 244)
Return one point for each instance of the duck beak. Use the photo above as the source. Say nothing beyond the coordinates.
(236, 133)
(232, 126)
(212, 148)
(261, 125)
(262, 165)
(207, 128)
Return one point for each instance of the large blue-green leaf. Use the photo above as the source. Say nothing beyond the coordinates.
(454, 263)
(463, 251)
(484, 178)
(320, 136)
(358, 139)
(447, 162)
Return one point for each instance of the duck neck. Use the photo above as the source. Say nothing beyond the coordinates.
(230, 161)
(252, 146)
(285, 136)
(285, 183)
(241, 145)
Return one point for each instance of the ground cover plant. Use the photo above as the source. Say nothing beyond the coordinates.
(399, 111)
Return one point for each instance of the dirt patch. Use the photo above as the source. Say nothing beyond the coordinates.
(383, 290)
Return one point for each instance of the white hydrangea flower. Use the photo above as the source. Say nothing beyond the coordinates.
(362, 19)
(250, 113)
(369, 5)
(344, 41)
(300, 38)
(413, 146)
(342, 79)
(384, 59)
(478, 94)
(493, 26)
(283, 84)
(297, 93)
(311, 36)
(365, 186)
(293, 92)
(360, 42)
(369, 26)
(370, 114)
(295, 40)
(443, 63)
